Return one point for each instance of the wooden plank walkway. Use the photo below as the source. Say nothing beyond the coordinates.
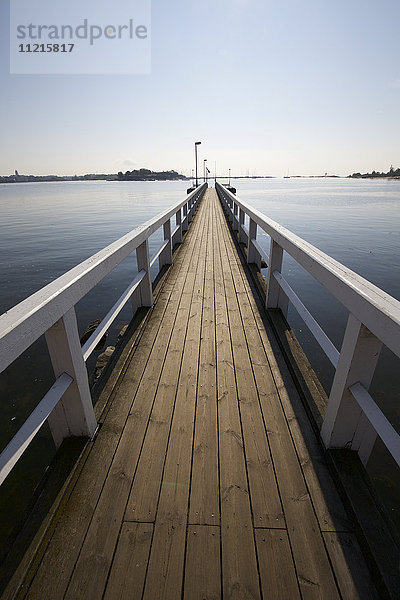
(206, 480)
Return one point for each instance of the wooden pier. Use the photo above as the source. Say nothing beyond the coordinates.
(206, 479)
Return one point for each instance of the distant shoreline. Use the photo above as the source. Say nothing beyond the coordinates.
(64, 179)
(148, 176)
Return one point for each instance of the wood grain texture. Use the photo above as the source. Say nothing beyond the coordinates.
(277, 573)
(266, 504)
(74, 520)
(99, 545)
(166, 565)
(239, 565)
(354, 580)
(130, 562)
(204, 496)
(203, 568)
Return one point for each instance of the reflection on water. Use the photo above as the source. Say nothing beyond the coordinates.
(47, 228)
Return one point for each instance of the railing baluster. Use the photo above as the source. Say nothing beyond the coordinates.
(71, 413)
(166, 255)
(191, 208)
(178, 218)
(235, 225)
(230, 210)
(242, 235)
(185, 220)
(143, 296)
(252, 255)
(74, 414)
(275, 297)
(350, 420)
(344, 424)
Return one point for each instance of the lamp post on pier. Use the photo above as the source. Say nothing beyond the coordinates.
(204, 170)
(229, 177)
(195, 154)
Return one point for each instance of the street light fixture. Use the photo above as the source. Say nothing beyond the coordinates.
(195, 154)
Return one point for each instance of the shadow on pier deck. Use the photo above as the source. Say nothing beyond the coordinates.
(206, 479)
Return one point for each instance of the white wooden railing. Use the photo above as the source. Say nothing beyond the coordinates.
(67, 406)
(352, 419)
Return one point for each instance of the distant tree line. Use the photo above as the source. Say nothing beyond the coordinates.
(139, 175)
(147, 175)
(17, 178)
(391, 173)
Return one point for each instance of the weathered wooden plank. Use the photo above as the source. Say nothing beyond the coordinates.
(143, 498)
(203, 568)
(328, 505)
(74, 520)
(265, 501)
(325, 497)
(204, 496)
(166, 564)
(239, 565)
(277, 572)
(326, 500)
(129, 566)
(91, 570)
(312, 565)
(349, 566)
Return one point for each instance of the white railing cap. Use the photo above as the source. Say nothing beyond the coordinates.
(376, 309)
(27, 321)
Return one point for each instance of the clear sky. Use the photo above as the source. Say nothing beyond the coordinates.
(268, 86)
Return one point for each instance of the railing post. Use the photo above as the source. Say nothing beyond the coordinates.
(252, 254)
(345, 425)
(178, 220)
(221, 197)
(251, 251)
(235, 217)
(242, 234)
(191, 207)
(73, 415)
(165, 257)
(185, 220)
(275, 297)
(230, 214)
(144, 293)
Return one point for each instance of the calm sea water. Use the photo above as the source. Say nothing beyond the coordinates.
(47, 228)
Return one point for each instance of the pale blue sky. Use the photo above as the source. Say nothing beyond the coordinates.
(310, 86)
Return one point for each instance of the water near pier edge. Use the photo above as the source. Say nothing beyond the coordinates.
(47, 228)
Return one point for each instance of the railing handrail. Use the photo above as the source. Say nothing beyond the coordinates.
(352, 418)
(379, 311)
(27, 321)
(67, 406)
